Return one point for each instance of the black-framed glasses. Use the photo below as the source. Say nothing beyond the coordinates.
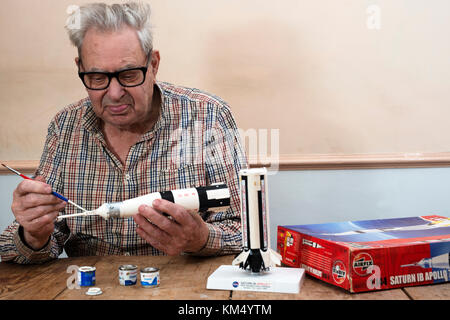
(99, 80)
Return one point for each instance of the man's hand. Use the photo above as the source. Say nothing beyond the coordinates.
(36, 209)
(186, 232)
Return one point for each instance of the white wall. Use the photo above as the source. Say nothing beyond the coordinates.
(336, 81)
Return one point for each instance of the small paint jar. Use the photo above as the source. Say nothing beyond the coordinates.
(128, 274)
(150, 277)
(86, 276)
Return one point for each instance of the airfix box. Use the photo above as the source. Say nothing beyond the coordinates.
(372, 254)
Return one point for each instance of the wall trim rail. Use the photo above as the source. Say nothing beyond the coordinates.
(23, 166)
(357, 161)
(313, 162)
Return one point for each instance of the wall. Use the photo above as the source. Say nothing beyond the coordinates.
(312, 69)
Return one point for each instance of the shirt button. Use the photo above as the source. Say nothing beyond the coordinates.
(127, 176)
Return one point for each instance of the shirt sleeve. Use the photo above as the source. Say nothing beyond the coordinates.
(12, 245)
(225, 157)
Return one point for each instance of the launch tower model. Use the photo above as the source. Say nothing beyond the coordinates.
(256, 254)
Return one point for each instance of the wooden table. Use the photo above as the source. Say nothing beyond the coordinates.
(182, 278)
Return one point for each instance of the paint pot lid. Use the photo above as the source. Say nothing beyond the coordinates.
(128, 267)
(94, 291)
(86, 269)
(149, 269)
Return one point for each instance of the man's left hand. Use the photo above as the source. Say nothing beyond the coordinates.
(185, 232)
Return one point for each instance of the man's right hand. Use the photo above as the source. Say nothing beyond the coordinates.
(36, 209)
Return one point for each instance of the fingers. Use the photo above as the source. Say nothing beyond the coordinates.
(185, 232)
(32, 186)
(42, 210)
(161, 232)
(32, 200)
(38, 230)
(32, 205)
(32, 193)
(34, 219)
(36, 208)
(153, 235)
(156, 224)
(177, 212)
(43, 220)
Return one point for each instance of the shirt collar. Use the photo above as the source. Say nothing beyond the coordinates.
(91, 121)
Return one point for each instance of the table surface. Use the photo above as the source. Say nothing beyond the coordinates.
(182, 278)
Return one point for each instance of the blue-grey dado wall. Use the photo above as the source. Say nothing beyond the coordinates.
(319, 196)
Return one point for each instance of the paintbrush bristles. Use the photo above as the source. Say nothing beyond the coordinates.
(82, 214)
(11, 169)
(79, 207)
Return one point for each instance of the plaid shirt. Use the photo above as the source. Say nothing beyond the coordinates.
(193, 143)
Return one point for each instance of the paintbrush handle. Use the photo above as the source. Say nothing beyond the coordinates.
(56, 194)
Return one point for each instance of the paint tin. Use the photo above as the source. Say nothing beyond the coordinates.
(86, 276)
(150, 277)
(128, 275)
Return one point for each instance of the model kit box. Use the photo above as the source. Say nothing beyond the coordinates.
(372, 254)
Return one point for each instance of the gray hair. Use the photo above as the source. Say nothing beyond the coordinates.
(110, 18)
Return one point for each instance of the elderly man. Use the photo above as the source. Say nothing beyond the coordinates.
(132, 136)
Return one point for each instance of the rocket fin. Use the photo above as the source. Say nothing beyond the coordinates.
(241, 258)
(266, 258)
(271, 258)
(275, 257)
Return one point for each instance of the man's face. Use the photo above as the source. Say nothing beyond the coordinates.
(125, 108)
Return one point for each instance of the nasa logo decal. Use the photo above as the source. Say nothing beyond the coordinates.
(235, 284)
(361, 263)
(338, 271)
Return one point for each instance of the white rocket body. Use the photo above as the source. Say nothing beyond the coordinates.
(438, 262)
(215, 197)
(256, 255)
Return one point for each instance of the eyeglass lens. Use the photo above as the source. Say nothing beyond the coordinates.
(127, 78)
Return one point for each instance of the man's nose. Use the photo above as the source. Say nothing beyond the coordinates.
(115, 89)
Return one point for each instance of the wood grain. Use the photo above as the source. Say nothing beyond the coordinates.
(37, 282)
(429, 292)
(182, 278)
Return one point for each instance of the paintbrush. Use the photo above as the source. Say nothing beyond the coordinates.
(53, 192)
(82, 214)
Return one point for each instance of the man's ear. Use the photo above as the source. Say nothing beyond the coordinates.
(155, 62)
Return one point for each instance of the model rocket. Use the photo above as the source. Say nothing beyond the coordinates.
(215, 197)
(439, 262)
(256, 255)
